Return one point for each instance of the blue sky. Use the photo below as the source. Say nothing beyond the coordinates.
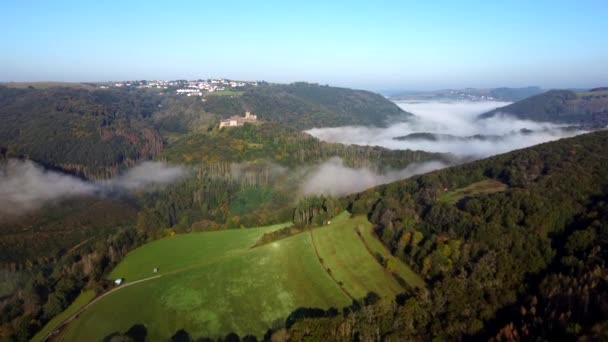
(375, 45)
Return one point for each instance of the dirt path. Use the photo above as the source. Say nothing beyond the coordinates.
(75, 314)
(79, 245)
(61, 325)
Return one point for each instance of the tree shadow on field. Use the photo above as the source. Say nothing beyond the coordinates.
(137, 333)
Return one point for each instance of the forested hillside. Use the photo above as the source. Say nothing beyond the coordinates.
(91, 133)
(252, 175)
(304, 106)
(510, 247)
(588, 108)
(284, 146)
(96, 133)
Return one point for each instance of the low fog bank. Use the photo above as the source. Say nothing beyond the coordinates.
(451, 118)
(26, 186)
(334, 178)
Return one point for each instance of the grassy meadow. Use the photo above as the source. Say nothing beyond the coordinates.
(394, 265)
(187, 251)
(214, 283)
(225, 93)
(344, 254)
(487, 186)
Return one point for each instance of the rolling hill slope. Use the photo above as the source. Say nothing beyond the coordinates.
(214, 283)
(304, 105)
(588, 108)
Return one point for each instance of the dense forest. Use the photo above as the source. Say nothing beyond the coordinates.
(284, 146)
(589, 108)
(525, 261)
(251, 175)
(90, 133)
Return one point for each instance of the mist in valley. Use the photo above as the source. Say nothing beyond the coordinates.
(456, 119)
(333, 178)
(27, 186)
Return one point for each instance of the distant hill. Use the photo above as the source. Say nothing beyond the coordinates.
(561, 106)
(45, 85)
(304, 105)
(470, 94)
(427, 136)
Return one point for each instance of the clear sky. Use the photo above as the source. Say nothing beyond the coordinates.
(374, 44)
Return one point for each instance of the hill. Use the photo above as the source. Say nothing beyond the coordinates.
(304, 105)
(211, 284)
(470, 94)
(252, 175)
(284, 146)
(506, 246)
(90, 133)
(588, 108)
(95, 133)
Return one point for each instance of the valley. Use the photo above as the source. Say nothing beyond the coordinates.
(265, 230)
(302, 171)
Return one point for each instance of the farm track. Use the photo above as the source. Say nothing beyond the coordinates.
(75, 314)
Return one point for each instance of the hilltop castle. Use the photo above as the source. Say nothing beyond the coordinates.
(239, 120)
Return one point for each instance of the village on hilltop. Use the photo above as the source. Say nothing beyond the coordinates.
(184, 87)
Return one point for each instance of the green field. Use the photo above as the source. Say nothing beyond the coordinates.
(487, 186)
(213, 283)
(188, 250)
(225, 93)
(83, 299)
(345, 255)
(394, 265)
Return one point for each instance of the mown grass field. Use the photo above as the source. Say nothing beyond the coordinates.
(225, 93)
(487, 186)
(394, 265)
(211, 284)
(345, 255)
(188, 250)
(83, 299)
(214, 283)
